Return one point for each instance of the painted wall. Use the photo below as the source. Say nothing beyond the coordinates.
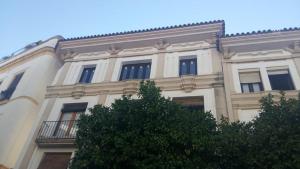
(19, 113)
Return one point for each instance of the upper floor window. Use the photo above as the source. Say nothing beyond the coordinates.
(6, 94)
(136, 71)
(188, 66)
(280, 80)
(66, 126)
(87, 74)
(250, 82)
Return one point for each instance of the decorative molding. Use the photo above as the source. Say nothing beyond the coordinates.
(16, 61)
(78, 91)
(227, 53)
(261, 53)
(251, 100)
(131, 86)
(161, 44)
(31, 99)
(188, 83)
(69, 54)
(113, 50)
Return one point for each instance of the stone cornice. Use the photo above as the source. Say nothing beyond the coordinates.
(261, 38)
(186, 83)
(251, 100)
(48, 50)
(217, 25)
(159, 39)
(143, 53)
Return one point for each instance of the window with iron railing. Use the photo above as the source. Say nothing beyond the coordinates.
(65, 127)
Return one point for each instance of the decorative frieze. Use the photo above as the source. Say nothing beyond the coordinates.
(188, 84)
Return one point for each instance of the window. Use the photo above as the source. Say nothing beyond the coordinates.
(55, 160)
(87, 74)
(250, 82)
(280, 80)
(69, 114)
(193, 103)
(188, 67)
(6, 94)
(135, 71)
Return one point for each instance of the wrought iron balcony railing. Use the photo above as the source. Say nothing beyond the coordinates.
(57, 132)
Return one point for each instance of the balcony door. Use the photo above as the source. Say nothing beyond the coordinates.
(66, 126)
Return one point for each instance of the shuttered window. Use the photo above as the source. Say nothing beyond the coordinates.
(250, 82)
(280, 80)
(55, 161)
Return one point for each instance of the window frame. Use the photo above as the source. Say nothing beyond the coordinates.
(250, 85)
(82, 73)
(291, 84)
(135, 75)
(188, 59)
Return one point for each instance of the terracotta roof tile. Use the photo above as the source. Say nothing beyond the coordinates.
(146, 30)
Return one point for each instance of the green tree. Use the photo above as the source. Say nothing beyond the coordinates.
(150, 132)
(275, 137)
(270, 141)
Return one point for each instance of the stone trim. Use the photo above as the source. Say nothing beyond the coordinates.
(131, 86)
(48, 50)
(251, 100)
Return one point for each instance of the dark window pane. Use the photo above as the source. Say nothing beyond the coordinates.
(87, 75)
(147, 71)
(132, 71)
(281, 82)
(188, 67)
(6, 94)
(245, 88)
(124, 72)
(251, 87)
(140, 72)
(135, 71)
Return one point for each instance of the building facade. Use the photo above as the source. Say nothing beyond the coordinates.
(196, 65)
(23, 81)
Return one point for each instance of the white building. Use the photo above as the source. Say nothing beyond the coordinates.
(195, 65)
(23, 81)
(259, 63)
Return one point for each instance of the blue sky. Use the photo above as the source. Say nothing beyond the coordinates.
(26, 21)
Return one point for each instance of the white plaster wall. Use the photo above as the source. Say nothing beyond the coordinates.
(263, 66)
(204, 62)
(248, 115)
(208, 94)
(111, 99)
(76, 68)
(20, 112)
(120, 61)
(39, 153)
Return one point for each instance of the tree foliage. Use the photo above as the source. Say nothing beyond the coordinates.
(153, 132)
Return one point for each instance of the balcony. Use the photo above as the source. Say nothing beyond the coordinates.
(57, 133)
